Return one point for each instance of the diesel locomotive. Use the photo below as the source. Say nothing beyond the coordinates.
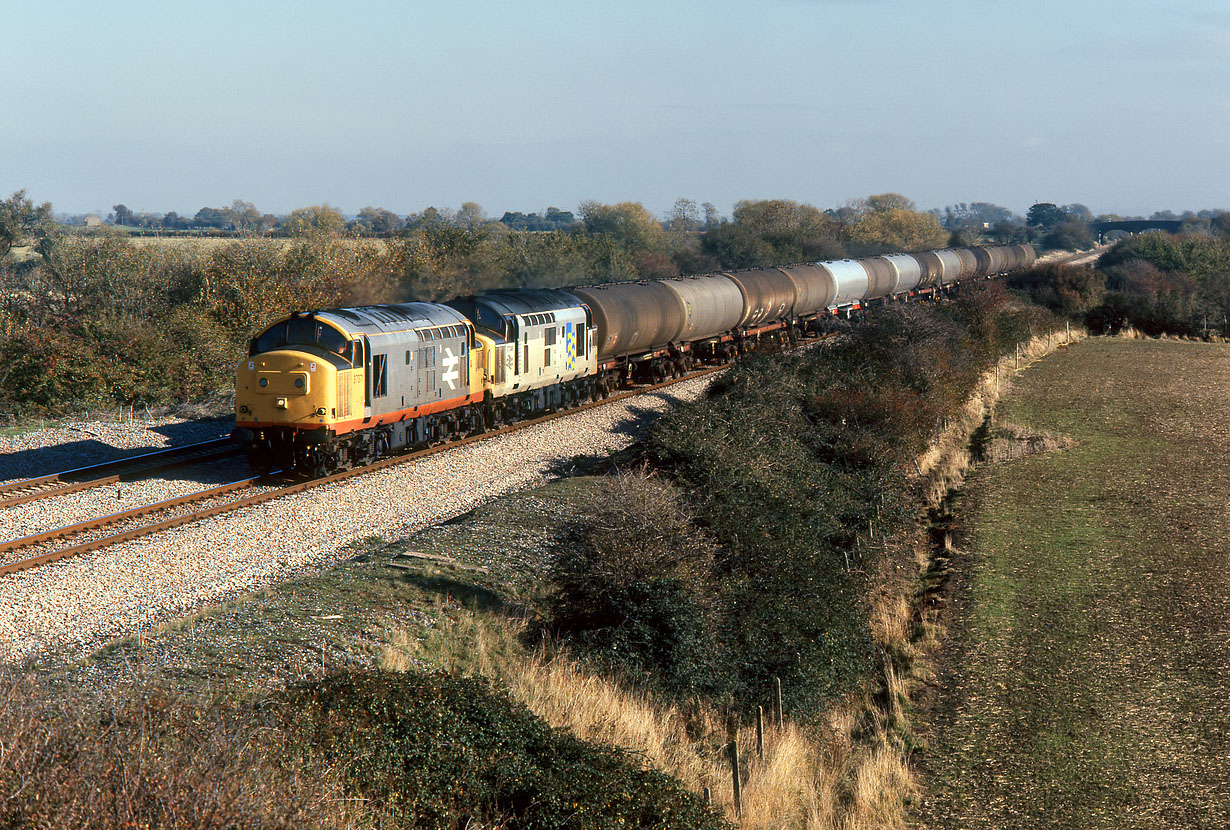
(331, 389)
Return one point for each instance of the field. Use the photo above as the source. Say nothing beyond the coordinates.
(1084, 683)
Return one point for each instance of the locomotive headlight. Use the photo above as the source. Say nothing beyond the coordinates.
(281, 403)
(244, 409)
(320, 410)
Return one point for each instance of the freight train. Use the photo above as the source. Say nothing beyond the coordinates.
(332, 389)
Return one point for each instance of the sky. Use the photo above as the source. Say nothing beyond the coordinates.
(1121, 105)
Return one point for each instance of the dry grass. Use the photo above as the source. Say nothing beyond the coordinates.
(943, 467)
(801, 780)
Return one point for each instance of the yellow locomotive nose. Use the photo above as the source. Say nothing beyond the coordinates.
(285, 387)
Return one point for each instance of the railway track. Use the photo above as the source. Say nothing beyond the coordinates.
(112, 472)
(45, 548)
(175, 512)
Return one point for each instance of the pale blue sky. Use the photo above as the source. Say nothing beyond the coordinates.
(1123, 105)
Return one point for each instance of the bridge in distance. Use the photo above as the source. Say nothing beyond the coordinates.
(1135, 226)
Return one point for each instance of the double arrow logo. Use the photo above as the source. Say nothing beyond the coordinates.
(451, 373)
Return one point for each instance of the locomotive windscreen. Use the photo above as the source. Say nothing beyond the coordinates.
(302, 331)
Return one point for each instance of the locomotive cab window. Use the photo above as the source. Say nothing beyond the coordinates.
(303, 331)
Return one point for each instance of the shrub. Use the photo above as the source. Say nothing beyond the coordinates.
(791, 457)
(1160, 283)
(633, 586)
(1067, 291)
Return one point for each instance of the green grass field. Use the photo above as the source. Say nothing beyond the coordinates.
(1086, 677)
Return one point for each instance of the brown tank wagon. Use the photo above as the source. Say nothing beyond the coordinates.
(712, 305)
(768, 294)
(881, 278)
(969, 262)
(814, 288)
(633, 317)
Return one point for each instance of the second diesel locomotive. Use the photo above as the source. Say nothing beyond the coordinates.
(324, 390)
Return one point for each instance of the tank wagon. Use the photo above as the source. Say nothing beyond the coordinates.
(324, 390)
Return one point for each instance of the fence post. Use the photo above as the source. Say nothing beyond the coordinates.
(708, 796)
(760, 732)
(734, 773)
(777, 702)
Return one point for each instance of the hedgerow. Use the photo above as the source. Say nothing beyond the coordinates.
(786, 465)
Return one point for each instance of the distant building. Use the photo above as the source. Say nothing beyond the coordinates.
(93, 221)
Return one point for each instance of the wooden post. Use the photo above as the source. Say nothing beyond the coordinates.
(708, 796)
(781, 720)
(734, 774)
(1067, 333)
(760, 732)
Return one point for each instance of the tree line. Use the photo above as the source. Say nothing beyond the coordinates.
(99, 320)
(1155, 283)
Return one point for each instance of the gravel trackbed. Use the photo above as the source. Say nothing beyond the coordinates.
(74, 606)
